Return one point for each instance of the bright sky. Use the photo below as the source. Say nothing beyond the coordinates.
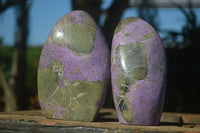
(45, 13)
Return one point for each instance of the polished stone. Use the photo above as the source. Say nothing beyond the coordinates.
(138, 72)
(73, 69)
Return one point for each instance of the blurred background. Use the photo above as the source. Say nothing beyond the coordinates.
(25, 25)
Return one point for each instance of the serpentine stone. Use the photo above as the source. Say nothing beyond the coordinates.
(138, 72)
(73, 69)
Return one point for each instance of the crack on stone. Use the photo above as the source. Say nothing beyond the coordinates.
(79, 95)
(54, 92)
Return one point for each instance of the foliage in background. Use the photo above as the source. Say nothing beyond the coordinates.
(32, 59)
(183, 58)
(16, 95)
(5, 61)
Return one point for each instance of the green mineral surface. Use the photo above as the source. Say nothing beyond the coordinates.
(133, 58)
(79, 37)
(79, 98)
(125, 22)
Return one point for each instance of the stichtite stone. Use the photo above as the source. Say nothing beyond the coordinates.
(138, 72)
(73, 69)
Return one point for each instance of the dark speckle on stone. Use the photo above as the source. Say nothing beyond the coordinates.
(124, 89)
(123, 106)
(127, 81)
(127, 34)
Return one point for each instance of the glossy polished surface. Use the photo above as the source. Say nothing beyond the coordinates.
(73, 69)
(138, 72)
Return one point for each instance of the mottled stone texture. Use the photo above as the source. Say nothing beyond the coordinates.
(138, 72)
(73, 69)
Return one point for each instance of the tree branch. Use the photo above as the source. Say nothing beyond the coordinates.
(3, 80)
(113, 15)
(6, 5)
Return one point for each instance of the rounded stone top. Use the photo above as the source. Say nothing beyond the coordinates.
(76, 30)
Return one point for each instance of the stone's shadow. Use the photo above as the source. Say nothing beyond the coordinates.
(169, 124)
(105, 117)
(107, 120)
(190, 125)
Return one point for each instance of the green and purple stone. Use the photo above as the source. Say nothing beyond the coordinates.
(138, 72)
(74, 69)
